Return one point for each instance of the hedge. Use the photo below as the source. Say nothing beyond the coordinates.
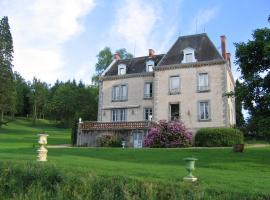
(25, 181)
(218, 137)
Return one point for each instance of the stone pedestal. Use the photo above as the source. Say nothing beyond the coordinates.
(42, 151)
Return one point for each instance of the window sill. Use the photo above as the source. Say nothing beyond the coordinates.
(202, 91)
(147, 98)
(120, 100)
(174, 93)
(204, 120)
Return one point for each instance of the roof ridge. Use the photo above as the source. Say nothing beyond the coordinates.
(193, 35)
(140, 57)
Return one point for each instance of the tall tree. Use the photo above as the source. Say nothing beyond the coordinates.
(105, 57)
(253, 58)
(7, 88)
(240, 121)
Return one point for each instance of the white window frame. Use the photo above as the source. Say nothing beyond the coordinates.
(120, 96)
(170, 110)
(150, 94)
(149, 112)
(149, 66)
(206, 110)
(174, 90)
(122, 69)
(119, 115)
(201, 87)
(188, 51)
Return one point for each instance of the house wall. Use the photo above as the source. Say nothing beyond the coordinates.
(189, 97)
(135, 102)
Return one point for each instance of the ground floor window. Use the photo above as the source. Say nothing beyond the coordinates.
(148, 114)
(119, 115)
(204, 110)
(174, 111)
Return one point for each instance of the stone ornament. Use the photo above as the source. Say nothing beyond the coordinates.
(42, 151)
(190, 166)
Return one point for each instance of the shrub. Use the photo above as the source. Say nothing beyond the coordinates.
(168, 134)
(218, 137)
(108, 140)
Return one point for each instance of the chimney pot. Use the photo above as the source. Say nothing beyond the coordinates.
(223, 46)
(151, 53)
(117, 56)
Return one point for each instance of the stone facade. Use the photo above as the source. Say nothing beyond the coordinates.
(200, 57)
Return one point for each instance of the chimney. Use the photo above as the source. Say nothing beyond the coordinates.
(151, 53)
(228, 55)
(117, 56)
(223, 46)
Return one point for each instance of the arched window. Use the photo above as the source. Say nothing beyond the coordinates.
(149, 66)
(189, 55)
(122, 69)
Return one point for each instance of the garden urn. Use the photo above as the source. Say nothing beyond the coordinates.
(190, 166)
(42, 151)
(123, 144)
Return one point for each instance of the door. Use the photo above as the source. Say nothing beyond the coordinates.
(138, 139)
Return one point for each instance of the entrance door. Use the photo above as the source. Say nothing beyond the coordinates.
(138, 139)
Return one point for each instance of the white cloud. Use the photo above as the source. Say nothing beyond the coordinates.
(202, 18)
(134, 24)
(39, 29)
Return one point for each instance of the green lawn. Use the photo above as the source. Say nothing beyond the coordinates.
(216, 168)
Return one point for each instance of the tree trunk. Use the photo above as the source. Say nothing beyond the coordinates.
(35, 113)
(2, 115)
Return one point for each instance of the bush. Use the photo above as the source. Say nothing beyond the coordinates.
(108, 140)
(74, 132)
(168, 134)
(218, 137)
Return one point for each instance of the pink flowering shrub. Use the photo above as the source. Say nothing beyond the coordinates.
(168, 134)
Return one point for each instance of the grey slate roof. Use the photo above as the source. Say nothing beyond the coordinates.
(203, 46)
(134, 65)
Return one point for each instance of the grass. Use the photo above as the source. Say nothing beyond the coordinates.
(218, 169)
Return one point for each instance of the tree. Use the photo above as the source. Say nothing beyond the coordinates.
(253, 58)
(240, 121)
(7, 88)
(105, 57)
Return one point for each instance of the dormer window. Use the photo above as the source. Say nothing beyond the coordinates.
(121, 69)
(189, 55)
(149, 66)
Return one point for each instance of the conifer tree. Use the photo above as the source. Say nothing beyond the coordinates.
(7, 87)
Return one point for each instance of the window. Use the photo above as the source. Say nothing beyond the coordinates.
(121, 69)
(174, 85)
(148, 90)
(204, 110)
(119, 93)
(119, 115)
(203, 82)
(148, 114)
(189, 55)
(174, 111)
(149, 66)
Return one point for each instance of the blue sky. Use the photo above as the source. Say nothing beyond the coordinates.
(59, 39)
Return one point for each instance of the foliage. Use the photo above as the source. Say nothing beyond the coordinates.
(109, 140)
(105, 57)
(74, 132)
(7, 88)
(218, 137)
(240, 121)
(37, 181)
(168, 134)
(253, 58)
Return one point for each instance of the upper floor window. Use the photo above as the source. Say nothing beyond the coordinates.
(149, 65)
(119, 93)
(148, 114)
(189, 55)
(174, 85)
(121, 69)
(203, 82)
(148, 90)
(119, 115)
(204, 110)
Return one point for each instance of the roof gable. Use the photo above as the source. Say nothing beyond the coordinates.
(203, 47)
